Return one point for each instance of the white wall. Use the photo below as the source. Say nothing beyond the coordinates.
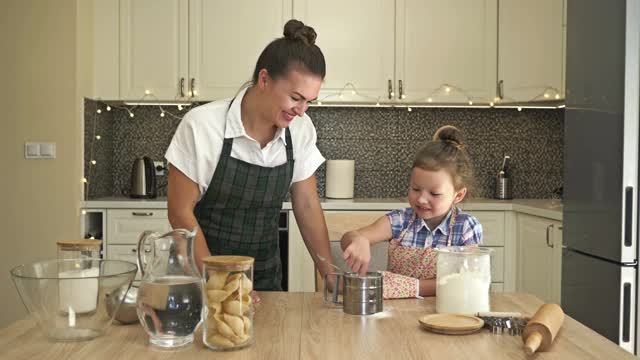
(41, 57)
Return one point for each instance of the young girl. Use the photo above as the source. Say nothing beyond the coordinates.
(440, 177)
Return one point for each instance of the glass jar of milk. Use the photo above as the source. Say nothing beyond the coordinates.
(463, 280)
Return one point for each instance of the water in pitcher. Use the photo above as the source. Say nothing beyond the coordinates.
(170, 307)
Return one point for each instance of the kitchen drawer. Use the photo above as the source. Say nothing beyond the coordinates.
(125, 253)
(493, 227)
(125, 226)
(339, 222)
(497, 287)
(497, 264)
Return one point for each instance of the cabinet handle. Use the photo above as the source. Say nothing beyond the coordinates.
(500, 89)
(390, 88)
(137, 213)
(400, 92)
(549, 227)
(181, 87)
(136, 250)
(193, 92)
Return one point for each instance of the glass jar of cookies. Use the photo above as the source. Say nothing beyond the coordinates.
(229, 312)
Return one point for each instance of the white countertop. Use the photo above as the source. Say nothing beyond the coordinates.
(539, 207)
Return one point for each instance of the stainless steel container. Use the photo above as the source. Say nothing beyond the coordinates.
(361, 295)
(503, 187)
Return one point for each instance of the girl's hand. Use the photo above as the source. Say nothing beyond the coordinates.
(357, 254)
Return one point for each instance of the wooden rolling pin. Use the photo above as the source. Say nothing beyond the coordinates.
(542, 328)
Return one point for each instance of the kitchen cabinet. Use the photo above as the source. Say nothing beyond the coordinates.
(449, 42)
(540, 257)
(153, 48)
(193, 49)
(497, 227)
(124, 227)
(225, 40)
(531, 50)
(405, 50)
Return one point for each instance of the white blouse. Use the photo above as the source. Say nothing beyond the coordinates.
(197, 144)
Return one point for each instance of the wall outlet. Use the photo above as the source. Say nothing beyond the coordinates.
(161, 165)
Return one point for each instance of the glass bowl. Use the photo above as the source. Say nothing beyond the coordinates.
(68, 298)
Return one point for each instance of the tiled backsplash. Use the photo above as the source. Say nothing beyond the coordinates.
(382, 141)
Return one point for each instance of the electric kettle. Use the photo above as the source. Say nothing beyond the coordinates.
(143, 179)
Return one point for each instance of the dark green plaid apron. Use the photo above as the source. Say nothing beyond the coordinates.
(239, 212)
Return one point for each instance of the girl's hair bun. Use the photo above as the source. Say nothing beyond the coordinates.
(297, 30)
(450, 135)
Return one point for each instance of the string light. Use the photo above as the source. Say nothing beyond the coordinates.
(84, 212)
(195, 92)
(409, 109)
(443, 89)
(519, 108)
(95, 137)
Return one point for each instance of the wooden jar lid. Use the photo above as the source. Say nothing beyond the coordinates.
(79, 243)
(453, 324)
(229, 262)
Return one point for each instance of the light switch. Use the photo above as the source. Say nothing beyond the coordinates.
(31, 150)
(39, 150)
(48, 150)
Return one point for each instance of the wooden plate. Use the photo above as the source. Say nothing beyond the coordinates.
(452, 324)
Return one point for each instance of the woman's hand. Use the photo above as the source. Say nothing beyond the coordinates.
(357, 253)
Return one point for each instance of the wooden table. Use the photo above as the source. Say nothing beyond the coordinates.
(299, 326)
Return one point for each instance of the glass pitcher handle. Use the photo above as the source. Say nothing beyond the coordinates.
(142, 261)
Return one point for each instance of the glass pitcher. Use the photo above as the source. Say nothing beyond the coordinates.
(170, 299)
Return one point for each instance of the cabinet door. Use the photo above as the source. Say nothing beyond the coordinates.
(225, 40)
(153, 48)
(125, 253)
(446, 42)
(125, 226)
(530, 60)
(535, 256)
(357, 39)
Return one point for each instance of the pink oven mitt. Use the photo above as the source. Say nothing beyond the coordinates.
(396, 286)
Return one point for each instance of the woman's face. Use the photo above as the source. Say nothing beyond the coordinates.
(431, 195)
(289, 96)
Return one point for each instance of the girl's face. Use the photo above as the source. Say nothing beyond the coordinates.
(288, 96)
(432, 194)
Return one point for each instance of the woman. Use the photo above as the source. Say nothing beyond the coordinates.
(233, 161)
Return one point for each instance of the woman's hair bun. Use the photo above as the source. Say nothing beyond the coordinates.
(450, 135)
(297, 30)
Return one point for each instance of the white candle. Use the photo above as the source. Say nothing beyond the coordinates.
(72, 317)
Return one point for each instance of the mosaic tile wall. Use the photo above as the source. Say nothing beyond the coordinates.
(383, 142)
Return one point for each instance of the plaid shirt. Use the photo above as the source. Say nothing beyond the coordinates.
(466, 230)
